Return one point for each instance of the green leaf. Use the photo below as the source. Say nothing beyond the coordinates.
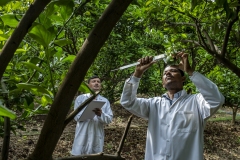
(6, 112)
(28, 107)
(50, 52)
(3, 37)
(41, 110)
(16, 4)
(9, 20)
(29, 99)
(64, 8)
(35, 60)
(84, 88)
(45, 100)
(50, 9)
(59, 52)
(33, 66)
(69, 58)
(20, 50)
(184, 35)
(34, 88)
(15, 92)
(87, 13)
(63, 42)
(148, 2)
(45, 20)
(41, 35)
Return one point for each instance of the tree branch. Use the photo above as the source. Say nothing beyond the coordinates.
(219, 57)
(181, 23)
(182, 13)
(40, 63)
(226, 62)
(124, 137)
(200, 37)
(7, 125)
(217, 49)
(194, 42)
(210, 42)
(229, 28)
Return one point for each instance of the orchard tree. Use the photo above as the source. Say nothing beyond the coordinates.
(229, 85)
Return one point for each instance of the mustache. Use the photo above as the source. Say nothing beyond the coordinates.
(169, 76)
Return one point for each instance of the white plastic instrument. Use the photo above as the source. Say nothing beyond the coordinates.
(155, 58)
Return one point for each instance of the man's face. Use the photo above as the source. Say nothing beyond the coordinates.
(95, 84)
(172, 78)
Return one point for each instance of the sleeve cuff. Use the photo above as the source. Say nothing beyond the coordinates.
(133, 79)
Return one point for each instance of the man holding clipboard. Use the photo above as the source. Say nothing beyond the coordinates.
(89, 134)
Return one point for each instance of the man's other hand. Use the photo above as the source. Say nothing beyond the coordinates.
(98, 111)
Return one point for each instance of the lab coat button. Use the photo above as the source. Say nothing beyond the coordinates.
(168, 140)
(168, 125)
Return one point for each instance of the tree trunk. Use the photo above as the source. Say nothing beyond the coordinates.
(234, 115)
(6, 139)
(124, 137)
(19, 33)
(54, 123)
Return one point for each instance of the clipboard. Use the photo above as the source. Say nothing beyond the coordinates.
(88, 113)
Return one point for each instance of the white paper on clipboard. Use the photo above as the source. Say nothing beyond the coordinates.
(88, 112)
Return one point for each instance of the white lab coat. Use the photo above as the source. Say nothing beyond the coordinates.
(175, 132)
(89, 134)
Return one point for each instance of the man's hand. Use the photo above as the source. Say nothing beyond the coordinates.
(184, 63)
(145, 63)
(98, 111)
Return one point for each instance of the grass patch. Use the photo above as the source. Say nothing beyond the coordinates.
(223, 118)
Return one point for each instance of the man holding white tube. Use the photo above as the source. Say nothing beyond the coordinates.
(176, 120)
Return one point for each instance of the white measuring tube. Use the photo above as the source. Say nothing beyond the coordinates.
(155, 58)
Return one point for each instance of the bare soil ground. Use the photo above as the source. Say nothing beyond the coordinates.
(222, 140)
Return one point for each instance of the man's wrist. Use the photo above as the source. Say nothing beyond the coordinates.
(137, 74)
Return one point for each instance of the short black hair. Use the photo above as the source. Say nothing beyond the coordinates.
(181, 71)
(92, 77)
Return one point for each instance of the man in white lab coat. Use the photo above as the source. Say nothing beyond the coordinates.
(176, 120)
(89, 134)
